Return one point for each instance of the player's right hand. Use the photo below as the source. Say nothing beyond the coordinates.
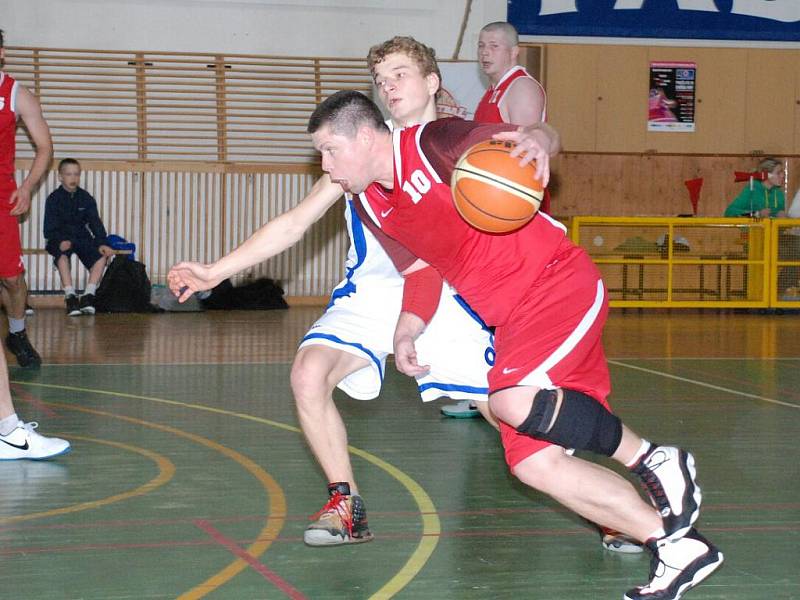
(405, 357)
(186, 278)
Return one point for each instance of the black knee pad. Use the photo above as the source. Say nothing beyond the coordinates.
(582, 422)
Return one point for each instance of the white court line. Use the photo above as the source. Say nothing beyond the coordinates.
(704, 384)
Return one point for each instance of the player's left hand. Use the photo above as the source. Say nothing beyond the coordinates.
(105, 250)
(531, 143)
(21, 199)
(405, 357)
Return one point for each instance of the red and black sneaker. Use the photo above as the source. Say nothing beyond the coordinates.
(343, 519)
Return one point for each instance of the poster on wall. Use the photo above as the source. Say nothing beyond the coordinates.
(671, 97)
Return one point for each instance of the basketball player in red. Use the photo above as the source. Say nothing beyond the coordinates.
(514, 96)
(548, 304)
(18, 439)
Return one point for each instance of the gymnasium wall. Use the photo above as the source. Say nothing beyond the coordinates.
(325, 28)
(747, 106)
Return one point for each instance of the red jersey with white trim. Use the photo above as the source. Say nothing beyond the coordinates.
(8, 124)
(488, 109)
(491, 272)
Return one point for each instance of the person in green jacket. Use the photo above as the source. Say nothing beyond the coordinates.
(762, 198)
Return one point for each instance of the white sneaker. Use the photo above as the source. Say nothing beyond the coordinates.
(669, 476)
(23, 442)
(677, 567)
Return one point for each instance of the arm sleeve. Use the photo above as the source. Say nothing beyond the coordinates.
(422, 290)
(399, 254)
(445, 140)
(94, 222)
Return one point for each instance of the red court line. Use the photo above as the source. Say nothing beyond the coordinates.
(23, 394)
(251, 560)
(410, 537)
(489, 512)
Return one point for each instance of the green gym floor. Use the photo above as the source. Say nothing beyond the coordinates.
(189, 477)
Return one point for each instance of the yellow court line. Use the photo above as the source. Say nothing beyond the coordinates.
(166, 470)
(276, 512)
(431, 525)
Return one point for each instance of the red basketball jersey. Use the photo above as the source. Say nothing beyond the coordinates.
(491, 272)
(8, 124)
(488, 110)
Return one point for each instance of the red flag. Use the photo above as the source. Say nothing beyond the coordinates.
(694, 186)
(739, 176)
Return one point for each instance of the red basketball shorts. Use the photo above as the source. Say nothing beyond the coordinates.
(554, 339)
(10, 247)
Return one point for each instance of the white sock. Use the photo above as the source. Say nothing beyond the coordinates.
(16, 325)
(91, 288)
(657, 534)
(8, 424)
(69, 290)
(639, 454)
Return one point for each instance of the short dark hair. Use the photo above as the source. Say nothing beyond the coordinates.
(344, 112)
(68, 161)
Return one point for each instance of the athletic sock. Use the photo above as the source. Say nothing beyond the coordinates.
(8, 424)
(69, 290)
(639, 454)
(16, 325)
(91, 288)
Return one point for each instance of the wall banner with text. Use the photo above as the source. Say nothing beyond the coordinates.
(758, 20)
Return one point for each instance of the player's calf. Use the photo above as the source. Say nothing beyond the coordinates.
(343, 519)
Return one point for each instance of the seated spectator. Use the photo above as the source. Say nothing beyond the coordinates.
(72, 225)
(762, 198)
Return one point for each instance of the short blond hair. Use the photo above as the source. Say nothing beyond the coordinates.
(770, 164)
(424, 56)
(507, 29)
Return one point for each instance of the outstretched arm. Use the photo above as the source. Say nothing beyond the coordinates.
(30, 112)
(271, 239)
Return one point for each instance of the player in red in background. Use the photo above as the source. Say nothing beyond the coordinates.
(548, 304)
(514, 96)
(18, 439)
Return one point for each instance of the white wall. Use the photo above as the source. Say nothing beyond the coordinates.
(344, 28)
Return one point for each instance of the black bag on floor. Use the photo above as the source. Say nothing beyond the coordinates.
(125, 288)
(261, 294)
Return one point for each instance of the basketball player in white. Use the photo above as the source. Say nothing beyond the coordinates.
(347, 347)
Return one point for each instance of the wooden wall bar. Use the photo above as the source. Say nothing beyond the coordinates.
(173, 212)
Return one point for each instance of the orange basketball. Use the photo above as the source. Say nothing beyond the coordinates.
(491, 191)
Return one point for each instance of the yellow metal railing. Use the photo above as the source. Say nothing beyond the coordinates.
(785, 266)
(688, 262)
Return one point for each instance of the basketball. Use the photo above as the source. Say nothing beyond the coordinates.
(491, 191)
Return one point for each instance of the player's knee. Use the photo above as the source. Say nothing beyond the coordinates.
(13, 284)
(537, 470)
(579, 422)
(309, 378)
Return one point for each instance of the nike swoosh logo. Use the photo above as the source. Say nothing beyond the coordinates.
(385, 213)
(25, 447)
(506, 371)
